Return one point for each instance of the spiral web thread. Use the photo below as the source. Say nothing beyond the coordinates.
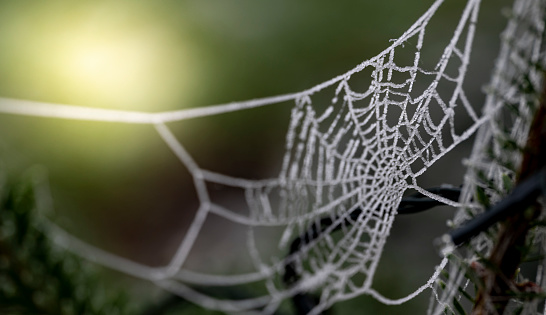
(360, 151)
(514, 92)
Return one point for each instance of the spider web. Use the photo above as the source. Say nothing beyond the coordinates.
(349, 160)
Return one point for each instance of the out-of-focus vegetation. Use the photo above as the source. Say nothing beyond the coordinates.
(37, 277)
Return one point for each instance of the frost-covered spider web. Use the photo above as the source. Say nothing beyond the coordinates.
(348, 160)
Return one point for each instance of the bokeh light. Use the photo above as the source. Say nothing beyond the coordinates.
(100, 54)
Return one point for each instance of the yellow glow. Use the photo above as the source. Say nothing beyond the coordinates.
(89, 64)
(112, 71)
(103, 66)
(117, 55)
(102, 54)
(135, 71)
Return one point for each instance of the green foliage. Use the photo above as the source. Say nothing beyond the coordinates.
(39, 277)
(36, 277)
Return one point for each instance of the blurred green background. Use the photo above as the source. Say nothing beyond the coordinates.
(118, 186)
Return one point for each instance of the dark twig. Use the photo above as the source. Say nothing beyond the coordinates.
(521, 197)
(418, 202)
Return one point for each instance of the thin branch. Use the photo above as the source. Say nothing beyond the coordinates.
(522, 197)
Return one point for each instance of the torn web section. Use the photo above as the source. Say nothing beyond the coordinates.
(513, 94)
